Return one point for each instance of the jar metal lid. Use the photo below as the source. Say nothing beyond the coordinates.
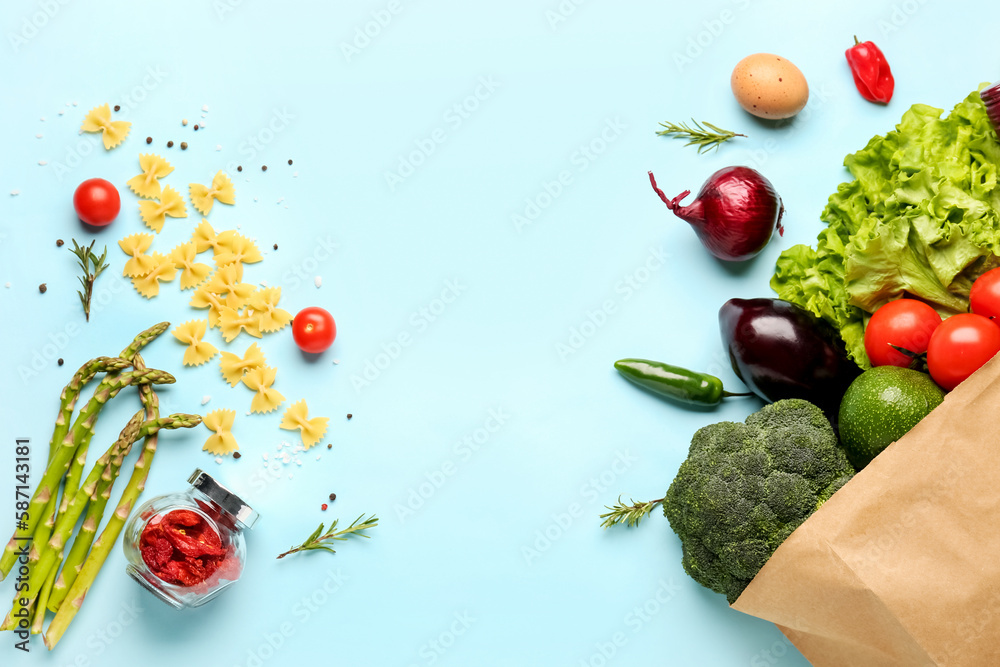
(225, 498)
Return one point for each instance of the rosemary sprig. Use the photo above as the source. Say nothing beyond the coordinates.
(88, 259)
(704, 139)
(630, 515)
(320, 539)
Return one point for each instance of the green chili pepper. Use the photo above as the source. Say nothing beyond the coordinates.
(674, 382)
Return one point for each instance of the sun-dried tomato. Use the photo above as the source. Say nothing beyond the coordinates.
(181, 548)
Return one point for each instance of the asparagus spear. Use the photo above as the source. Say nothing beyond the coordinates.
(81, 433)
(91, 567)
(124, 360)
(41, 607)
(42, 558)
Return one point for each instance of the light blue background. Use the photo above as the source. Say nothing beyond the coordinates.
(574, 435)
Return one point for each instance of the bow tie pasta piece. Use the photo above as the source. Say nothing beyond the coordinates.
(192, 273)
(149, 284)
(223, 442)
(147, 184)
(204, 237)
(264, 303)
(202, 197)
(260, 380)
(226, 280)
(136, 246)
(236, 248)
(297, 417)
(233, 366)
(232, 321)
(198, 351)
(113, 132)
(205, 298)
(154, 213)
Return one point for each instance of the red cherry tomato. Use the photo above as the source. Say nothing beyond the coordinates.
(314, 329)
(905, 323)
(960, 346)
(984, 296)
(97, 202)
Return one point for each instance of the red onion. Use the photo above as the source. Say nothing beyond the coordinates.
(991, 98)
(734, 214)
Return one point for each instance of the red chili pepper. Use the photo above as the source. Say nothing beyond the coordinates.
(871, 72)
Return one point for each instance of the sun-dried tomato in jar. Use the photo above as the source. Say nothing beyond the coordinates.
(186, 548)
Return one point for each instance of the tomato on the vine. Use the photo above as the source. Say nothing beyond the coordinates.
(960, 346)
(905, 323)
(96, 202)
(314, 329)
(984, 297)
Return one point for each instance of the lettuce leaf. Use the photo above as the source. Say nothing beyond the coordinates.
(919, 219)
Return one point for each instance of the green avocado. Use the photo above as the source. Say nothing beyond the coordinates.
(881, 406)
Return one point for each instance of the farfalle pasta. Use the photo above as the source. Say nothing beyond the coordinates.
(236, 248)
(297, 417)
(264, 303)
(233, 367)
(205, 298)
(203, 197)
(148, 285)
(204, 237)
(232, 322)
(260, 379)
(226, 281)
(135, 246)
(113, 132)
(223, 441)
(193, 273)
(154, 212)
(147, 184)
(191, 334)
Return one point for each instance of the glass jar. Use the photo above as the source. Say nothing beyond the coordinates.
(186, 548)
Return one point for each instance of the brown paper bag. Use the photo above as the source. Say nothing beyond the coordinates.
(902, 566)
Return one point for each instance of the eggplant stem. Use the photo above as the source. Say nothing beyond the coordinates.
(672, 204)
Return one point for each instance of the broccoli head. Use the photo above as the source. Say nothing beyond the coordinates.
(745, 487)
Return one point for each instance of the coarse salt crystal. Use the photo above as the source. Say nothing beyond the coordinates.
(295, 174)
(255, 199)
(318, 457)
(38, 136)
(318, 280)
(218, 460)
(7, 285)
(14, 193)
(203, 124)
(263, 283)
(42, 119)
(76, 103)
(336, 361)
(291, 476)
(298, 462)
(218, 147)
(205, 399)
(42, 163)
(204, 107)
(265, 455)
(61, 112)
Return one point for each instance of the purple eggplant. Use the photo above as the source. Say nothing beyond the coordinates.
(780, 350)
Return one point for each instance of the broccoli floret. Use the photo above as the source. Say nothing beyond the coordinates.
(745, 487)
